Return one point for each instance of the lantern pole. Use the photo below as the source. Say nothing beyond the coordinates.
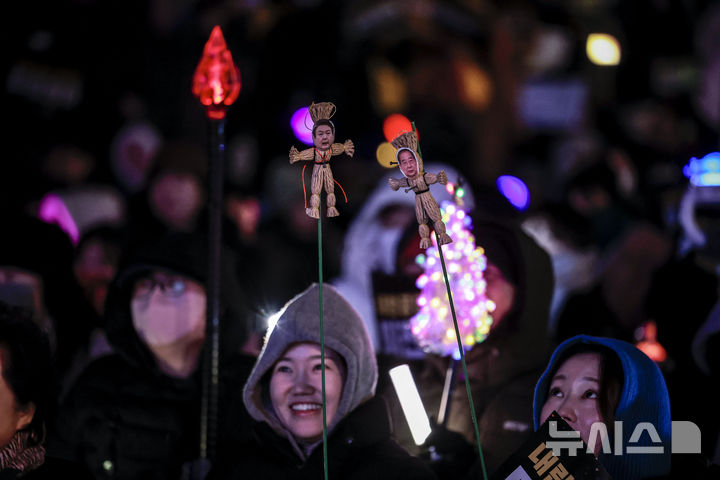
(216, 83)
(208, 415)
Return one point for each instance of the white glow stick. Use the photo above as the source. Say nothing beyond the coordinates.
(411, 403)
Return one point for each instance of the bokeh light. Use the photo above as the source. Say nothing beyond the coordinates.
(301, 124)
(396, 124)
(705, 171)
(385, 154)
(514, 190)
(53, 210)
(603, 49)
(475, 85)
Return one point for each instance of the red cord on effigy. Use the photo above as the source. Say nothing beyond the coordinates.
(341, 188)
(302, 177)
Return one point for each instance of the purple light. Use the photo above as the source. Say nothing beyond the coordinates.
(514, 190)
(301, 124)
(53, 210)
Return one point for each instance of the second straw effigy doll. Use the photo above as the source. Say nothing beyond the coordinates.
(323, 150)
(417, 180)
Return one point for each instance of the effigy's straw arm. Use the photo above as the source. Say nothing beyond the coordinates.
(462, 358)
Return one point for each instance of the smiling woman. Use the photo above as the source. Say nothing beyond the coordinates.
(284, 394)
(296, 389)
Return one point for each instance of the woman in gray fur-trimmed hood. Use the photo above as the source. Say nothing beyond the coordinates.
(359, 435)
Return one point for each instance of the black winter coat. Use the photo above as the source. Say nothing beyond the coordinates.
(359, 448)
(125, 419)
(124, 422)
(52, 469)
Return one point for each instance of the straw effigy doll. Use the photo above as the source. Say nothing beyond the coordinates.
(323, 150)
(417, 180)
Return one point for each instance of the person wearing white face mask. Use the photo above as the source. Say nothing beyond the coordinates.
(135, 413)
(168, 313)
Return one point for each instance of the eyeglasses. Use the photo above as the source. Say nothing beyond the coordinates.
(171, 286)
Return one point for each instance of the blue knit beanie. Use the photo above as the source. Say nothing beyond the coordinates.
(644, 398)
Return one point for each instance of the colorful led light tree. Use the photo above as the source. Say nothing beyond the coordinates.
(433, 326)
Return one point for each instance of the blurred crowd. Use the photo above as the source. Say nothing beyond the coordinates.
(104, 203)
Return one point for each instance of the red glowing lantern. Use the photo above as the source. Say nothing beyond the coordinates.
(395, 125)
(216, 81)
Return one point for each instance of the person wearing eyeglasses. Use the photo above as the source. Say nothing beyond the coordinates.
(135, 413)
(168, 313)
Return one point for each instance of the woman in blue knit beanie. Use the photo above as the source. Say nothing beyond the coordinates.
(597, 379)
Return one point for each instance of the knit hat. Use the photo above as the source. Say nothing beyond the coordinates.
(299, 321)
(644, 398)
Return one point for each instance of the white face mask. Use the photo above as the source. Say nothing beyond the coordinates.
(161, 320)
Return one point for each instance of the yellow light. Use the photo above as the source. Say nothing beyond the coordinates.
(443, 312)
(389, 87)
(385, 154)
(450, 334)
(476, 86)
(435, 302)
(603, 49)
(469, 340)
(490, 305)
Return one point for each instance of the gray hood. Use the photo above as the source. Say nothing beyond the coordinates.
(299, 321)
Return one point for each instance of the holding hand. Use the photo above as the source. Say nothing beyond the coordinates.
(447, 452)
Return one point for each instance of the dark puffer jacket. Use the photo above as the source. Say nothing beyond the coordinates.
(360, 447)
(123, 417)
(503, 369)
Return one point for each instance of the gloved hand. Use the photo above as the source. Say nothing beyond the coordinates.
(447, 452)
